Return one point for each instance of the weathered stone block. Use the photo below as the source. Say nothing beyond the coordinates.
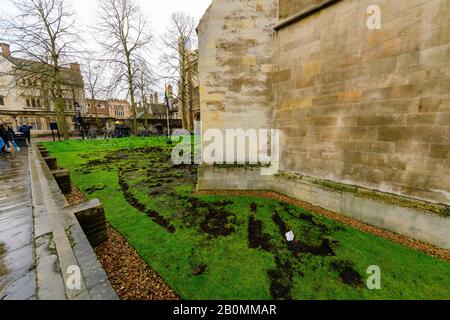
(45, 153)
(62, 177)
(91, 216)
(51, 163)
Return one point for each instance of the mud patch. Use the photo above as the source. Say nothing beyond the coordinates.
(256, 237)
(347, 273)
(297, 247)
(199, 270)
(281, 280)
(95, 188)
(131, 199)
(212, 217)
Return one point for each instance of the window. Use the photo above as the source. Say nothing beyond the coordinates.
(119, 111)
(34, 103)
(2, 101)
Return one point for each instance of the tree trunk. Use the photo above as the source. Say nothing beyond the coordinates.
(144, 102)
(191, 98)
(60, 112)
(133, 103)
(95, 112)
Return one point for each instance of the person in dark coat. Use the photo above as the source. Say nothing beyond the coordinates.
(4, 138)
(11, 138)
(26, 130)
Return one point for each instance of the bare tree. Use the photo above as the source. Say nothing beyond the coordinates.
(124, 37)
(145, 83)
(179, 61)
(94, 82)
(43, 35)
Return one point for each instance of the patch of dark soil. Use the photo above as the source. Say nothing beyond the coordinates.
(95, 163)
(154, 193)
(199, 270)
(156, 217)
(216, 223)
(307, 217)
(131, 199)
(298, 247)
(281, 224)
(281, 280)
(212, 217)
(324, 249)
(347, 273)
(97, 187)
(256, 237)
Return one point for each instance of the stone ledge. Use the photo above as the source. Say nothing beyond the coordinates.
(55, 222)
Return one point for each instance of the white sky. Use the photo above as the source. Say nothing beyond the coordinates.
(157, 11)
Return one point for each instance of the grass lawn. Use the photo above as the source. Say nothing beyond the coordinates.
(211, 247)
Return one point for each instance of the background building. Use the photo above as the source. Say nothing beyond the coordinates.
(28, 99)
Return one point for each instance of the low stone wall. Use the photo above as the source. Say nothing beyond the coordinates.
(417, 219)
(72, 231)
(62, 177)
(91, 217)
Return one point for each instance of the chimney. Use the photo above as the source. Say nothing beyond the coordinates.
(6, 51)
(75, 66)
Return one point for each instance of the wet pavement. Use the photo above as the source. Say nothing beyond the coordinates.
(17, 266)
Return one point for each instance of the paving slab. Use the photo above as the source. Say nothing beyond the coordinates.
(17, 264)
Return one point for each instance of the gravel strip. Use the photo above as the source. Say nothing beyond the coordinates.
(128, 273)
(424, 247)
(75, 197)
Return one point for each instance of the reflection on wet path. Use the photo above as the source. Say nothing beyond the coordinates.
(17, 267)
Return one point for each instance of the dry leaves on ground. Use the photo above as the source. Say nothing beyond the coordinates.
(128, 273)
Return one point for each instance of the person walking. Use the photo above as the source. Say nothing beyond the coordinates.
(4, 138)
(26, 130)
(11, 138)
(108, 131)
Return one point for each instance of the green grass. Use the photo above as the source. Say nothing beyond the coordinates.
(233, 269)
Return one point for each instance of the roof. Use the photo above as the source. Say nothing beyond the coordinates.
(70, 76)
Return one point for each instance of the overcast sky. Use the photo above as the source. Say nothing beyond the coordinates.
(157, 11)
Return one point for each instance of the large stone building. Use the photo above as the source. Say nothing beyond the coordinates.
(24, 99)
(364, 113)
(115, 109)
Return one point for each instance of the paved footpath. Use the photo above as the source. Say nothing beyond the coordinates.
(17, 265)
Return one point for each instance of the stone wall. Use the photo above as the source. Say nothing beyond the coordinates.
(289, 8)
(367, 108)
(235, 66)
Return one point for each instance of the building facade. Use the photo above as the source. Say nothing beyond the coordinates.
(24, 99)
(112, 108)
(363, 112)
